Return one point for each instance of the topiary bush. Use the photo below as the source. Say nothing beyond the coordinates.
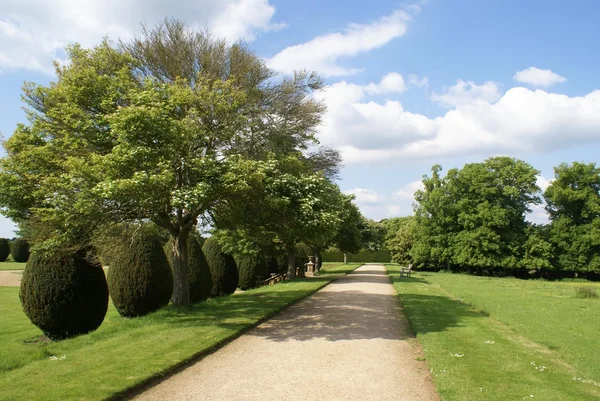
(20, 250)
(139, 278)
(4, 249)
(64, 294)
(222, 267)
(585, 292)
(250, 268)
(199, 272)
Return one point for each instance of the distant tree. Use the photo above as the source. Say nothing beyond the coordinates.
(573, 203)
(349, 238)
(373, 235)
(401, 244)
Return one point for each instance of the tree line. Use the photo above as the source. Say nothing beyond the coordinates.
(473, 219)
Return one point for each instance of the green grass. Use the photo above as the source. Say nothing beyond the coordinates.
(329, 268)
(125, 352)
(11, 265)
(488, 338)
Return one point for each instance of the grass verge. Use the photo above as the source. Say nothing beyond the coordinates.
(503, 339)
(330, 268)
(11, 265)
(124, 353)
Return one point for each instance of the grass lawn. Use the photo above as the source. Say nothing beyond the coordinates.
(9, 264)
(125, 352)
(503, 338)
(337, 268)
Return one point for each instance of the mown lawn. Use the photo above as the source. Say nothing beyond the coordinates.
(124, 352)
(337, 268)
(10, 264)
(504, 339)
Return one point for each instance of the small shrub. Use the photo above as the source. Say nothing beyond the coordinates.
(4, 249)
(139, 277)
(224, 272)
(585, 292)
(64, 294)
(20, 250)
(249, 268)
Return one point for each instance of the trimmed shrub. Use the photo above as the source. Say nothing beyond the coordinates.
(139, 277)
(20, 250)
(250, 268)
(4, 249)
(199, 272)
(224, 272)
(585, 292)
(64, 294)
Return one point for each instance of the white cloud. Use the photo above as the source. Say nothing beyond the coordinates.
(538, 77)
(323, 53)
(408, 191)
(543, 183)
(481, 121)
(390, 83)
(538, 215)
(465, 93)
(418, 82)
(364, 196)
(35, 32)
(377, 206)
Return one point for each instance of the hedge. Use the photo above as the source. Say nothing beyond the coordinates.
(334, 255)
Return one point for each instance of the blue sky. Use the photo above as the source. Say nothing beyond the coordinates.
(410, 84)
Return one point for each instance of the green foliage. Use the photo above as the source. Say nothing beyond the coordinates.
(573, 202)
(585, 292)
(164, 131)
(349, 238)
(380, 256)
(474, 217)
(64, 293)
(4, 249)
(200, 278)
(250, 267)
(223, 269)
(20, 250)
(373, 235)
(139, 278)
(402, 242)
(539, 251)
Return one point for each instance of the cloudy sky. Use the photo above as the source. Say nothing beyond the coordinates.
(410, 83)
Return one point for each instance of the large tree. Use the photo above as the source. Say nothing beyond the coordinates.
(573, 203)
(164, 128)
(475, 217)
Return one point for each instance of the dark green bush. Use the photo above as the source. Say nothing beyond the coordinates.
(64, 294)
(250, 268)
(4, 249)
(585, 292)
(222, 267)
(139, 277)
(199, 272)
(272, 267)
(20, 250)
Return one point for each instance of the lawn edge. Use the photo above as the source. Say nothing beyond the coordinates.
(159, 377)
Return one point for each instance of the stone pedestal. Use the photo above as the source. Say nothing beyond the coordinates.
(310, 267)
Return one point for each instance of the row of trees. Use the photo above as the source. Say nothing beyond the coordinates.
(178, 130)
(473, 219)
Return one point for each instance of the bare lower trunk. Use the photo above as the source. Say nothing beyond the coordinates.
(181, 280)
(345, 258)
(291, 272)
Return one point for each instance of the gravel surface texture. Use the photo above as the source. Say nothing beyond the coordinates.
(10, 278)
(348, 341)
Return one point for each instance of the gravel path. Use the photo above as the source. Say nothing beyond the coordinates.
(10, 278)
(348, 341)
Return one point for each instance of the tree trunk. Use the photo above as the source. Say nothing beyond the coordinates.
(291, 272)
(181, 280)
(318, 259)
(345, 258)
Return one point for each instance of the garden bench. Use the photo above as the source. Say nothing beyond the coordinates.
(405, 271)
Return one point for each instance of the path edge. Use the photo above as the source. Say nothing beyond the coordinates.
(159, 377)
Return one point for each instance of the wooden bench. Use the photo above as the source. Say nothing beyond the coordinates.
(405, 271)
